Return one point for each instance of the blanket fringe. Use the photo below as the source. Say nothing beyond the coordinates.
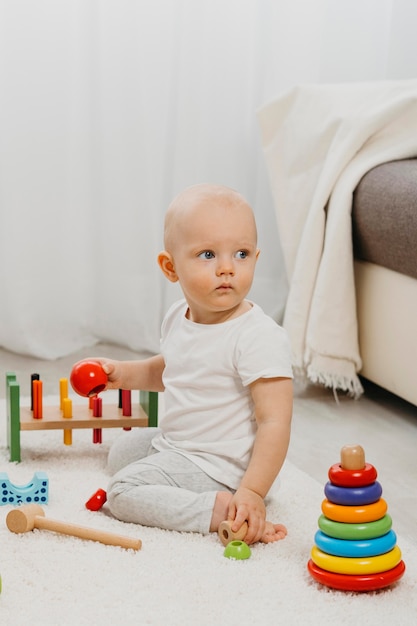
(348, 384)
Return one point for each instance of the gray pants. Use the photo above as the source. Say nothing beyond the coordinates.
(162, 489)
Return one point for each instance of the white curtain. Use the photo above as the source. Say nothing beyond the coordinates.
(108, 108)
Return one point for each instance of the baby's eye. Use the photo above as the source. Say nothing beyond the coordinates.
(241, 254)
(207, 254)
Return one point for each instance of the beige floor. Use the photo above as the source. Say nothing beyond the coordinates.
(385, 426)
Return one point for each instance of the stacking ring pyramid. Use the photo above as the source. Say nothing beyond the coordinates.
(355, 548)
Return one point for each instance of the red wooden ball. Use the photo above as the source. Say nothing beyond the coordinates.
(88, 378)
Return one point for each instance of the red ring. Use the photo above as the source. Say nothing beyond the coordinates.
(363, 582)
(352, 478)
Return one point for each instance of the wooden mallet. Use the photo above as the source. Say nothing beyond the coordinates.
(30, 516)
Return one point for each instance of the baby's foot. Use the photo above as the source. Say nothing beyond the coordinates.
(273, 532)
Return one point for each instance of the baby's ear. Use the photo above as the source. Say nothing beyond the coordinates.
(166, 263)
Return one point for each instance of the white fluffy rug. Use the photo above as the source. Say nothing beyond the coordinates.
(177, 578)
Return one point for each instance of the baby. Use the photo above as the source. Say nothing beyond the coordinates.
(225, 369)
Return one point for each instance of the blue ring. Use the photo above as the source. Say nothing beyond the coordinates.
(353, 495)
(355, 548)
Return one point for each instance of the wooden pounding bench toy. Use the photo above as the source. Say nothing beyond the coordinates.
(68, 417)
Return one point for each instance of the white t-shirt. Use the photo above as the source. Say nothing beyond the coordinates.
(209, 414)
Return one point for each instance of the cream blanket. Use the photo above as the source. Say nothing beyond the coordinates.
(318, 141)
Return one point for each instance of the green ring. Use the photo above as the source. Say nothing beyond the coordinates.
(368, 530)
(237, 550)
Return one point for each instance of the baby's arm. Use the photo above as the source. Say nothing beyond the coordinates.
(145, 374)
(273, 411)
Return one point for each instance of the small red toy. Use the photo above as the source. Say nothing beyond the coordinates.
(97, 500)
(88, 378)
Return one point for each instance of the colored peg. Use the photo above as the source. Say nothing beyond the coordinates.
(30, 516)
(97, 500)
(126, 398)
(67, 413)
(32, 378)
(63, 391)
(37, 399)
(97, 412)
(67, 408)
(126, 402)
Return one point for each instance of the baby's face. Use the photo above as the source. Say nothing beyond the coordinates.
(214, 251)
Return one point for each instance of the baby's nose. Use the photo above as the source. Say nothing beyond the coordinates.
(226, 267)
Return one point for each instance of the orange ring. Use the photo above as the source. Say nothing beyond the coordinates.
(354, 514)
(349, 582)
(352, 478)
(356, 565)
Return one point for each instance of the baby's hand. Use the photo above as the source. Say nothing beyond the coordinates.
(246, 505)
(82, 374)
(113, 370)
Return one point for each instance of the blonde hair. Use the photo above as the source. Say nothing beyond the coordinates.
(194, 195)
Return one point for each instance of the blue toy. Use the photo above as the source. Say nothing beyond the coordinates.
(360, 548)
(355, 496)
(35, 491)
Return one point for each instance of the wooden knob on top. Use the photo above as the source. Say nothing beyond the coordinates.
(352, 457)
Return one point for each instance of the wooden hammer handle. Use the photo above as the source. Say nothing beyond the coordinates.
(82, 532)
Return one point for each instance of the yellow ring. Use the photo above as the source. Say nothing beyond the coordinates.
(354, 514)
(356, 565)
